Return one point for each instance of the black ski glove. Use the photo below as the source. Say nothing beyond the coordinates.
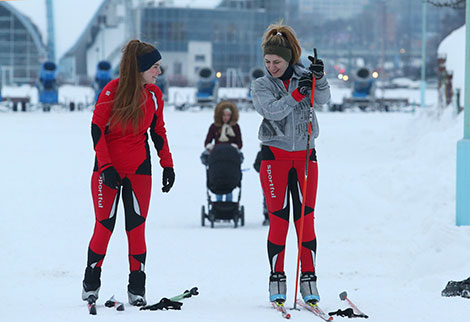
(111, 177)
(164, 304)
(168, 179)
(305, 83)
(316, 67)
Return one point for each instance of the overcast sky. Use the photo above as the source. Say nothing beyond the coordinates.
(72, 16)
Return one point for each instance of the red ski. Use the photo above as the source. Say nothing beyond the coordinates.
(315, 309)
(279, 306)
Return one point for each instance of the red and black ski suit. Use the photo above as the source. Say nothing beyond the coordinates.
(128, 152)
(282, 177)
(284, 133)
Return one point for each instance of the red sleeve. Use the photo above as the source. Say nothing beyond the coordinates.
(99, 124)
(157, 129)
(210, 135)
(297, 96)
(238, 136)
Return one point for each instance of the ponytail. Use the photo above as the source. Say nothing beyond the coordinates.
(279, 35)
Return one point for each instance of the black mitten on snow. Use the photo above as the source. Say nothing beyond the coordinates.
(111, 177)
(168, 178)
(316, 67)
(305, 84)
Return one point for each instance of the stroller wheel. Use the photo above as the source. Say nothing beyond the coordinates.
(203, 216)
(235, 222)
(211, 217)
(242, 215)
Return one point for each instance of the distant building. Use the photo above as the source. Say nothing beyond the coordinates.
(103, 38)
(323, 10)
(21, 47)
(225, 37)
(380, 33)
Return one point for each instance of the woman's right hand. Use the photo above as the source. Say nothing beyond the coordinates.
(111, 178)
(305, 83)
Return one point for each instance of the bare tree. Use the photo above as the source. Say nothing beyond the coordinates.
(456, 4)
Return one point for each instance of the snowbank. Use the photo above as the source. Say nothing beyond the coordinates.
(453, 47)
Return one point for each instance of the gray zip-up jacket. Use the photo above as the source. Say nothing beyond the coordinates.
(285, 121)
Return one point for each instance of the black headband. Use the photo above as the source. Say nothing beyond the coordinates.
(146, 61)
(283, 52)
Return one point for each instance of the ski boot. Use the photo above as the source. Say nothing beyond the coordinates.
(277, 287)
(308, 288)
(91, 283)
(136, 288)
(461, 288)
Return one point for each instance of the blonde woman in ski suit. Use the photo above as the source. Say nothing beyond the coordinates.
(282, 97)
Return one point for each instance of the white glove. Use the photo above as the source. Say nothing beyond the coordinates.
(209, 146)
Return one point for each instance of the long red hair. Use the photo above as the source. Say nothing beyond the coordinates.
(129, 94)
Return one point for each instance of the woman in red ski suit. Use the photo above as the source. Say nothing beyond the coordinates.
(282, 97)
(127, 109)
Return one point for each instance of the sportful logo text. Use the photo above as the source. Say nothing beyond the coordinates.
(100, 192)
(270, 179)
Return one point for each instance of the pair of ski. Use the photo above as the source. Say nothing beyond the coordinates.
(111, 303)
(312, 307)
(315, 309)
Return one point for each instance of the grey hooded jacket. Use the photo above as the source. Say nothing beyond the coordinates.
(285, 121)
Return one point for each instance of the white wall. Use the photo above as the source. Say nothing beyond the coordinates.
(109, 39)
(198, 49)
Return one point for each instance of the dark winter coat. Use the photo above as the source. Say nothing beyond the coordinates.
(214, 134)
(216, 127)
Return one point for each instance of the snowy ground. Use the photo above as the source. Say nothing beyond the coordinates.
(385, 222)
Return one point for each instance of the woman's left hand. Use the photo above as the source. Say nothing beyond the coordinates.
(168, 178)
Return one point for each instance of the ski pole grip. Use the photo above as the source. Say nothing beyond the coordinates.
(343, 296)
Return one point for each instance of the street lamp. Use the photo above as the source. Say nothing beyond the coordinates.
(423, 56)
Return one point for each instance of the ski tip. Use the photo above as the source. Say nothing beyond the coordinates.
(120, 307)
(343, 295)
(92, 310)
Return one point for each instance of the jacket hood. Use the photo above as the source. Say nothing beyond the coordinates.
(219, 110)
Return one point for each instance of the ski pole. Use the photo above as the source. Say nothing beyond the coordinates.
(304, 192)
(344, 297)
(185, 294)
(171, 303)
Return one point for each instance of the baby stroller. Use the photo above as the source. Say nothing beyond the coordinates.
(224, 174)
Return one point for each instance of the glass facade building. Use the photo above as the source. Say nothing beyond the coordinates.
(224, 37)
(21, 47)
(234, 29)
